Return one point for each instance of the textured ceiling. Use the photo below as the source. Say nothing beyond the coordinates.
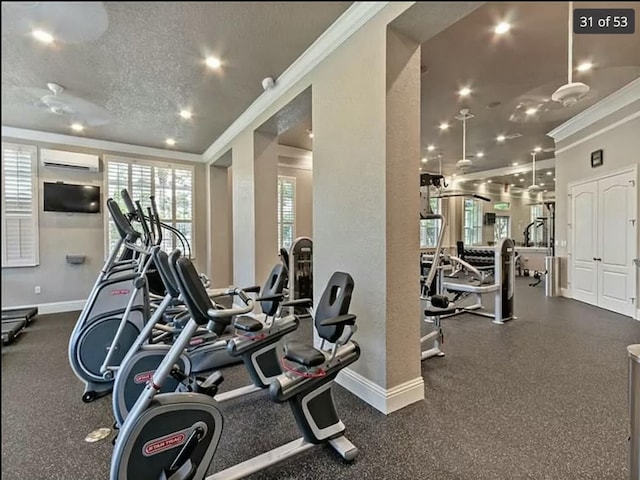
(508, 74)
(292, 123)
(128, 68)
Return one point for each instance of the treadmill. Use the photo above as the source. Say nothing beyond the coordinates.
(14, 320)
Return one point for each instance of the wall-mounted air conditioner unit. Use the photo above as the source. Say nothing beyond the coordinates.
(77, 161)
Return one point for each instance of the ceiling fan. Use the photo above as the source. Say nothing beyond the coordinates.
(68, 22)
(464, 163)
(570, 93)
(57, 101)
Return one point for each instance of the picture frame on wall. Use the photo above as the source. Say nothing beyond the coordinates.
(596, 158)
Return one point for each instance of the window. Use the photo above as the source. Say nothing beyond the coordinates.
(286, 211)
(172, 186)
(19, 206)
(472, 222)
(502, 227)
(430, 229)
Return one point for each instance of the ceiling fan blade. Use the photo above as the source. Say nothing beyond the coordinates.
(68, 22)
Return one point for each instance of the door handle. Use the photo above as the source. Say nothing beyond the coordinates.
(597, 259)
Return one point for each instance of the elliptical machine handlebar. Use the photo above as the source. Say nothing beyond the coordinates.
(126, 198)
(143, 222)
(154, 217)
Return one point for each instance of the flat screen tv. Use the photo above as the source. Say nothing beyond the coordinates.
(67, 197)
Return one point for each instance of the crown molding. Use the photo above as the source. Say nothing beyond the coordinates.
(608, 105)
(356, 16)
(46, 137)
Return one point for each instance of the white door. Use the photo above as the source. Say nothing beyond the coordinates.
(584, 272)
(616, 243)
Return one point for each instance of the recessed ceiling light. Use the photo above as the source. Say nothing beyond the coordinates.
(522, 179)
(453, 174)
(431, 148)
(42, 36)
(464, 92)
(537, 149)
(554, 179)
(549, 173)
(501, 138)
(517, 174)
(475, 184)
(444, 126)
(488, 181)
(309, 133)
(531, 111)
(512, 185)
(77, 127)
(186, 114)
(213, 62)
(502, 28)
(480, 154)
(545, 191)
(170, 141)
(542, 184)
(585, 66)
(424, 160)
(515, 164)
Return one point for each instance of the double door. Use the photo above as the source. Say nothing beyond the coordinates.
(604, 242)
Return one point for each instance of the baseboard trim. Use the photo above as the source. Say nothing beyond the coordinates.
(384, 400)
(54, 307)
(638, 314)
(565, 292)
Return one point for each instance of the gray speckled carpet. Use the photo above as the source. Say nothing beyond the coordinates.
(541, 397)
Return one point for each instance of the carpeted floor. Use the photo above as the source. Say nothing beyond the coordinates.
(541, 397)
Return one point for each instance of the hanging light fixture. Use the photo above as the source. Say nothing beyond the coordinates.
(464, 163)
(533, 188)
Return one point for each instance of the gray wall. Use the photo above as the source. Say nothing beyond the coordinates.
(79, 234)
(621, 148)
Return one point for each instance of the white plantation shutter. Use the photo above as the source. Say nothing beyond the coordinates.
(286, 211)
(19, 206)
(171, 185)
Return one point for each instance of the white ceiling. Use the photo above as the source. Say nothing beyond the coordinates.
(128, 68)
(508, 74)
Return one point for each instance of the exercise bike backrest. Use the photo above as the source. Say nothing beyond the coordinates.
(335, 301)
(273, 289)
(161, 261)
(197, 300)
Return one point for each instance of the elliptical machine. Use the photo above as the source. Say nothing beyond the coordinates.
(175, 435)
(116, 305)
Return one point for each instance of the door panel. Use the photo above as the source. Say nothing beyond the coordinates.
(584, 276)
(616, 243)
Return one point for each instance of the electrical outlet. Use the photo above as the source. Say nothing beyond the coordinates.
(37, 289)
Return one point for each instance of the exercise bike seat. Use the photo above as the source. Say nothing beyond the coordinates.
(304, 354)
(248, 324)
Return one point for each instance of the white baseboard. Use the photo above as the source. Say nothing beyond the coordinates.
(565, 292)
(55, 307)
(384, 400)
(638, 314)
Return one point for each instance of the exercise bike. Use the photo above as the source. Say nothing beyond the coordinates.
(255, 342)
(174, 436)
